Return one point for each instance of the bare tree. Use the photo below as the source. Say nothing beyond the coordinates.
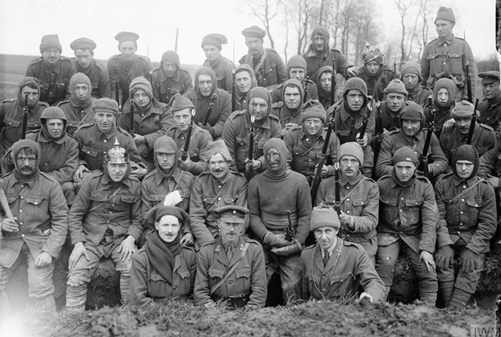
(265, 11)
(403, 7)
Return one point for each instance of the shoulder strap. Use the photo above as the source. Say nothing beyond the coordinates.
(231, 270)
(456, 198)
(103, 203)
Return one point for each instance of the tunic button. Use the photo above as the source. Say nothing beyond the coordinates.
(348, 212)
(401, 210)
(113, 205)
(182, 137)
(323, 276)
(219, 198)
(22, 197)
(461, 224)
(401, 198)
(174, 288)
(462, 200)
(46, 164)
(348, 187)
(230, 282)
(348, 199)
(104, 141)
(464, 186)
(23, 235)
(219, 186)
(21, 210)
(461, 212)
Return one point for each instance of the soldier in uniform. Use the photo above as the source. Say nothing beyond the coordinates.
(196, 160)
(483, 137)
(296, 69)
(38, 229)
(395, 101)
(245, 80)
(305, 143)
(78, 109)
(324, 86)
(467, 207)
(236, 130)
(411, 134)
(359, 199)
(410, 74)
(231, 268)
(163, 269)
(279, 204)
(319, 54)
(104, 222)
(126, 66)
(443, 103)
(490, 107)
(447, 55)
(290, 108)
(202, 95)
(217, 187)
(222, 67)
(350, 114)
(407, 224)
(11, 113)
(268, 66)
(334, 268)
(93, 69)
(374, 72)
(170, 78)
(52, 70)
(152, 119)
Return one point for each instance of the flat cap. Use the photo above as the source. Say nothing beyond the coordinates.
(231, 213)
(83, 43)
(254, 31)
(126, 36)
(489, 76)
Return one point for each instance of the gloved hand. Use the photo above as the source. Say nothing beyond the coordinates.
(276, 240)
(470, 261)
(444, 257)
(294, 248)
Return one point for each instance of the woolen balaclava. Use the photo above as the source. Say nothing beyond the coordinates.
(259, 92)
(206, 71)
(412, 112)
(141, 83)
(296, 61)
(80, 78)
(52, 113)
(354, 83)
(325, 33)
(313, 109)
(321, 92)
(411, 67)
(16, 148)
(279, 145)
(247, 68)
(448, 84)
(32, 82)
(165, 144)
(293, 83)
(466, 152)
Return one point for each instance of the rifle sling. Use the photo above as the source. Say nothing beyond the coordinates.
(457, 197)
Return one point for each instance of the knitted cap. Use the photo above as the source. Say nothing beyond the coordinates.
(463, 109)
(445, 13)
(320, 31)
(261, 93)
(351, 149)
(79, 78)
(216, 147)
(313, 109)
(466, 152)
(180, 103)
(254, 31)
(293, 83)
(105, 104)
(404, 154)
(411, 67)
(355, 83)
(372, 53)
(324, 217)
(141, 83)
(489, 76)
(396, 87)
(215, 39)
(49, 42)
(126, 36)
(296, 61)
(83, 43)
(170, 56)
(412, 112)
(20, 144)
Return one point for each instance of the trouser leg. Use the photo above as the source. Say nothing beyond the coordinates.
(428, 283)
(41, 288)
(5, 274)
(290, 277)
(124, 268)
(386, 259)
(445, 276)
(466, 283)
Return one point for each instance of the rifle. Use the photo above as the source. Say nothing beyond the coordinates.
(233, 96)
(250, 171)
(289, 231)
(209, 110)
(468, 79)
(316, 178)
(131, 131)
(431, 131)
(186, 147)
(472, 124)
(366, 120)
(333, 81)
(25, 117)
(306, 81)
(394, 70)
(117, 88)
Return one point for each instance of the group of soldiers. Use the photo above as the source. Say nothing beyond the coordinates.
(253, 171)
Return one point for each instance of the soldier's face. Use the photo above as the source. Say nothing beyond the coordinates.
(243, 81)
(491, 90)
(168, 228)
(292, 97)
(313, 125)
(127, 49)
(82, 91)
(169, 68)
(349, 166)
(117, 171)
(218, 166)
(32, 96)
(443, 96)
(319, 42)
(372, 66)
(464, 168)
(141, 99)
(355, 99)
(104, 121)
(326, 81)
(55, 127)
(395, 101)
(325, 236)
(51, 56)
(166, 161)
(296, 73)
(411, 128)
(254, 44)
(84, 57)
(444, 27)
(258, 107)
(230, 231)
(211, 52)
(26, 161)
(273, 159)
(410, 81)
(404, 170)
(182, 118)
(205, 85)
(463, 125)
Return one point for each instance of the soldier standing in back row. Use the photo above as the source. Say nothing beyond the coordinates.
(490, 108)
(126, 66)
(222, 67)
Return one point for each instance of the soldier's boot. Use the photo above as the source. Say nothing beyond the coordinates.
(446, 290)
(459, 299)
(428, 298)
(44, 305)
(125, 287)
(75, 298)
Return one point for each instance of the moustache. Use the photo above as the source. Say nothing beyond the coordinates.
(26, 167)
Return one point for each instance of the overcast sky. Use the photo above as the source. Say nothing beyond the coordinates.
(24, 22)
